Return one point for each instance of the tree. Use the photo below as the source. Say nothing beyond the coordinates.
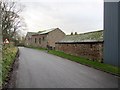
(11, 20)
(75, 33)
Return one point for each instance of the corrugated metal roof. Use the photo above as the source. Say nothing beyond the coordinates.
(85, 37)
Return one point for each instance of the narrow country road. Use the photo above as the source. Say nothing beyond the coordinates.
(38, 69)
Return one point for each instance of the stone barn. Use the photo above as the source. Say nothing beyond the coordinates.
(28, 38)
(88, 45)
(47, 38)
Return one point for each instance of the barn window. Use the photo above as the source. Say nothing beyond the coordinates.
(43, 38)
(39, 40)
(35, 40)
(28, 38)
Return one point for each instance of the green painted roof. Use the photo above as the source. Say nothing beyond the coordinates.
(84, 37)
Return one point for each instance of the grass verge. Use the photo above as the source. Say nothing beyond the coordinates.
(101, 66)
(9, 55)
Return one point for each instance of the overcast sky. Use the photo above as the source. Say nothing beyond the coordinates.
(68, 15)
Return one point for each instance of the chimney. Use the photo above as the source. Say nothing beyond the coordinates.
(75, 33)
(71, 33)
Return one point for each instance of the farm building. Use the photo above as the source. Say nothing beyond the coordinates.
(88, 45)
(46, 38)
(28, 38)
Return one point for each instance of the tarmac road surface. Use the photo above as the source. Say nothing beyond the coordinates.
(38, 69)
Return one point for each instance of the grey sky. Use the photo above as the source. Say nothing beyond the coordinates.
(111, 0)
(68, 15)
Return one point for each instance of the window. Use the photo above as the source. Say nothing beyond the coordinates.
(39, 40)
(43, 38)
(35, 40)
(28, 39)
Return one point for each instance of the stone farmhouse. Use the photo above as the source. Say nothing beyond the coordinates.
(88, 45)
(44, 39)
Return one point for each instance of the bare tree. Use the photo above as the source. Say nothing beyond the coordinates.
(11, 20)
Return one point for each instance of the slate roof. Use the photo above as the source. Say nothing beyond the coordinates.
(96, 36)
(41, 32)
(31, 33)
(47, 31)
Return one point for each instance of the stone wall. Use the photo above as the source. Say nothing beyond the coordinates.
(28, 41)
(55, 36)
(41, 40)
(90, 50)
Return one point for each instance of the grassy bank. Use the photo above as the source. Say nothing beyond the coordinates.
(101, 66)
(9, 55)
